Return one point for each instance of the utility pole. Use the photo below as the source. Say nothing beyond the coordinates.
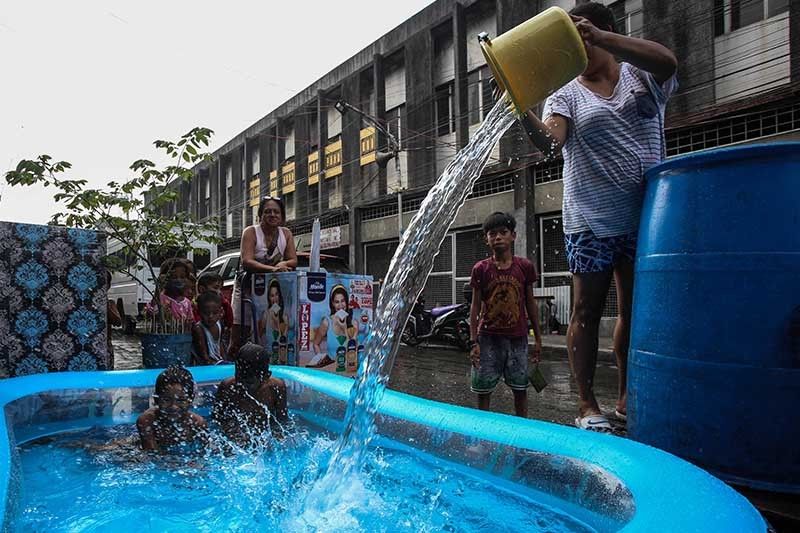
(400, 213)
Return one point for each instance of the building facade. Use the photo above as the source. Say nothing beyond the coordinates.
(427, 83)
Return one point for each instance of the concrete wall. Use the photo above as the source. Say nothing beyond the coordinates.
(693, 44)
(472, 213)
(761, 48)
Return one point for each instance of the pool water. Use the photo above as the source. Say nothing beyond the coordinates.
(99, 480)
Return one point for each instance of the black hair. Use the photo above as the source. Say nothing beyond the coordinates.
(175, 375)
(498, 219)
(208, 278)
(596, 13)
(208, 297)
(174, 287)
(276, 284)
(275, 199)
(252, 354)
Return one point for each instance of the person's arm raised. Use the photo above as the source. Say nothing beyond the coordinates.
(650, 56)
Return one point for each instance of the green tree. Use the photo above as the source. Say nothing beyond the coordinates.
(133, 211)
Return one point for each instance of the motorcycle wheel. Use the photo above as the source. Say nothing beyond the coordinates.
(408, 337)
(462, 335)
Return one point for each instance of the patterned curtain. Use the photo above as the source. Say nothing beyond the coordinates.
(52, 300)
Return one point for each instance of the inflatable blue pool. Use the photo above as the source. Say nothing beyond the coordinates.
(584, 481)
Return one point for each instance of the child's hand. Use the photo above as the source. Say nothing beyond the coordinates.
(536, 352)
(475, 355)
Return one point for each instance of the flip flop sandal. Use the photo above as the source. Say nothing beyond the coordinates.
(597, 423)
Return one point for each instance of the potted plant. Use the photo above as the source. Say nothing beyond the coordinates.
(136, 213)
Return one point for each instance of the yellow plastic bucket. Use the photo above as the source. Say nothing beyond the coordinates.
(534, 59)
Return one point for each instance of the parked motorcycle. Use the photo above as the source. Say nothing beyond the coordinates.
(449, 323)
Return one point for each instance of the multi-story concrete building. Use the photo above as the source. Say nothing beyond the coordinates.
(426, 82)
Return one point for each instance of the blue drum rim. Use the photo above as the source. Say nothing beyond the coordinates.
(723, 155)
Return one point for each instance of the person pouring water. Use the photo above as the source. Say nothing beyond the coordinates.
(609, 126)
(265, 247)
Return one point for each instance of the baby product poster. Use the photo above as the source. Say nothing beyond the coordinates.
(275, 301)
(333, 329)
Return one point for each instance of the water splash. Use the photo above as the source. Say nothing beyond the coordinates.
(410, 266)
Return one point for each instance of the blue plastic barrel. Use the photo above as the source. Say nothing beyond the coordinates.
(714, 368)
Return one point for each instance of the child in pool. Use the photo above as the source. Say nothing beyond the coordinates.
(207, 347)
(169, 426)
(251, 402)
(341, 320)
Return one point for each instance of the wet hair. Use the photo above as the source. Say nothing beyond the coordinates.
(175, 375)
(497, 220)
(278, 201)
(251, 357)
(174, 287)
(208, 278)
(596, 13)
(208, 297)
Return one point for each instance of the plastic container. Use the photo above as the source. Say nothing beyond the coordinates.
(536, 58)
(714, 375)
(161, 351)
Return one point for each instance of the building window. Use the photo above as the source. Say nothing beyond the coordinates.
(334, 189)
(445, 119)
(634, 18)
(394, 118)
(288, 200)
(255, 161)
(731, 15)
(313, 198)
(479, 95)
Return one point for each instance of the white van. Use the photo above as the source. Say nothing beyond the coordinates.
(129, 295)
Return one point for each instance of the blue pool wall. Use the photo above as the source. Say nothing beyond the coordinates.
(638, 487)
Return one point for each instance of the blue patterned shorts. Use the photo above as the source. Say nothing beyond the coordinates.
(501, 356)
(587, 253)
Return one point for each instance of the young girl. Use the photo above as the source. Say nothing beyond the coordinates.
(341, 322)
(274, 324)
(274, 321)
(174, 300)
(169, 426)
(207, 347)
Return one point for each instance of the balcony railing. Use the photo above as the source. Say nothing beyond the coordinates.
(333, 159)
(255, 191)
(273, 183)
(313, 167)
(368, 142)
(287, 177)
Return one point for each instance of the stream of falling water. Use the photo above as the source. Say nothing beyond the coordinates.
(410, 266)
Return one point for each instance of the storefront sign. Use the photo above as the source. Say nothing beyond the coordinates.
(330, 237)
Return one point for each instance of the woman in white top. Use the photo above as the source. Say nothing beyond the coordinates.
(266, 247)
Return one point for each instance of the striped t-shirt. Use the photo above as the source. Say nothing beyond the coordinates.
(611, 142)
